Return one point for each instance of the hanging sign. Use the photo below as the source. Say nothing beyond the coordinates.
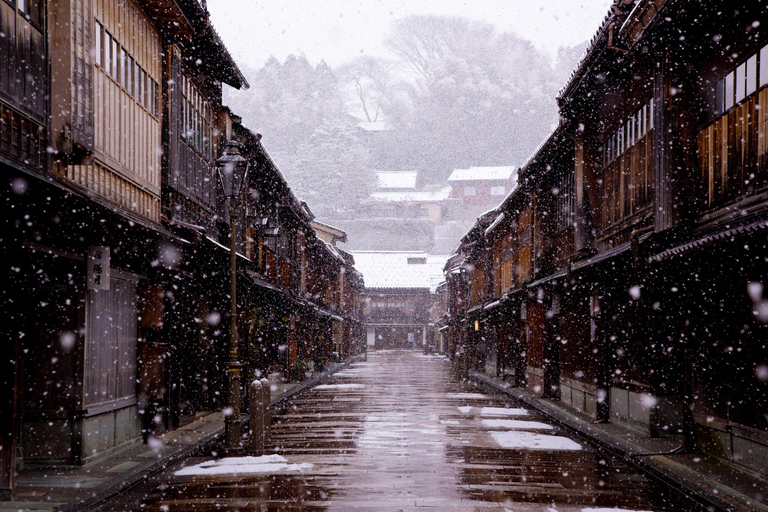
(98, 268)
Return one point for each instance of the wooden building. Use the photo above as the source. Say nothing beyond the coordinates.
(624, 275)
(398, 296)
(116, 233)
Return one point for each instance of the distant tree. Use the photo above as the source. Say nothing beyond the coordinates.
(477, 97)
(331, 170)
(374, 83)
(301, 112)
(288, 101)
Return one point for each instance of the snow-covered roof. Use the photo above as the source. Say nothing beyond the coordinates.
(390, 269)
(482, 173)
(399, 180)
(423, 196)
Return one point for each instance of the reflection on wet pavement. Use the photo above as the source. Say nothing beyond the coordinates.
(398, 433)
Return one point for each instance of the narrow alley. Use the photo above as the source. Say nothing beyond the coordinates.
(397, 432)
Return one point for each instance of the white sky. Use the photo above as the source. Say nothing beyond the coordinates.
(339, 30)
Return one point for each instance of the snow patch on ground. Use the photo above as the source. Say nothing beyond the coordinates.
(239, 465)
(465, 409)
(468, 396)
(533, 441)
(611, 510)
(503, 411)
(517, 424)
(339, 386)
(450, 422)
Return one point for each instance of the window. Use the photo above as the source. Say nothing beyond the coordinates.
(129, 75)
(752, 74)
(124, 69)
(498, 191)
(136, 80)
(99, 50)
(114, 52)
(729, 92)
(30, 9)
(741, 82)
(564, 201)
(107, 52)
(197, 127)
(470, 191)
(764, 66)
(720, 97)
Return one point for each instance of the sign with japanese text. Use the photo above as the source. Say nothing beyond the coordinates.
(98, 268)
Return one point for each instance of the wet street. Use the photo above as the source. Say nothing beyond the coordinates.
(398, 433)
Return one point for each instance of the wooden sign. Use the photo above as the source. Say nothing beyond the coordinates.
(98, 268)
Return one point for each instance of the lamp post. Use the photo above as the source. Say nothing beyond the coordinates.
(232, 169)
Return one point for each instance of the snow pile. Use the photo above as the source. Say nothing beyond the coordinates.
(611, 510)
(339, 386)
(503, 411)
(239, 465)
(467, 396)
(465, 409)
(517, 424)
(533, 441)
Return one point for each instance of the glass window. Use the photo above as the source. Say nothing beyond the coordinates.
(729, 83)
(498, 191)
(139, 85)
(136, 80)
(720, 97)
(752, 74)
(470, 191)
(650, 115)
(115, 48)
(764, 66)
(107, 52)
(31, 10)
(129, 75)
(144, 91)
(741, 82)
(124, 70)
(98, 37)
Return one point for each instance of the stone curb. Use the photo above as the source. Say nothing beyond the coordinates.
(142, 473)
(701, 488)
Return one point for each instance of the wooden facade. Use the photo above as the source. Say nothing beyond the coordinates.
(622, 261)
(111, 123)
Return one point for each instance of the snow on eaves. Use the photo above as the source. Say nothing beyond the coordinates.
(391, 269)
(396, 180)
(404, 196)
(482, 173)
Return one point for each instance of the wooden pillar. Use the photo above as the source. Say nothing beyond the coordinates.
(552, 350)
(671, 133)
(582, 236)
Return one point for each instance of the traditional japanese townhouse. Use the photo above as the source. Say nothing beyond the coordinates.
(668, 180)
(88, 255)
(397, 296)
(189, 353)
(629, 263)
(351, 285)
(28, 197)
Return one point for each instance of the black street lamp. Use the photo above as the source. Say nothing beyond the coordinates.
(232, 169)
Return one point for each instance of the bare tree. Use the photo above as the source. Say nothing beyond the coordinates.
(374, 84)
(424, 41)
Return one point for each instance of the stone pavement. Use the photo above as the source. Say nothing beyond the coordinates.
(399, 433)
(716, 482)
(81, 488)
